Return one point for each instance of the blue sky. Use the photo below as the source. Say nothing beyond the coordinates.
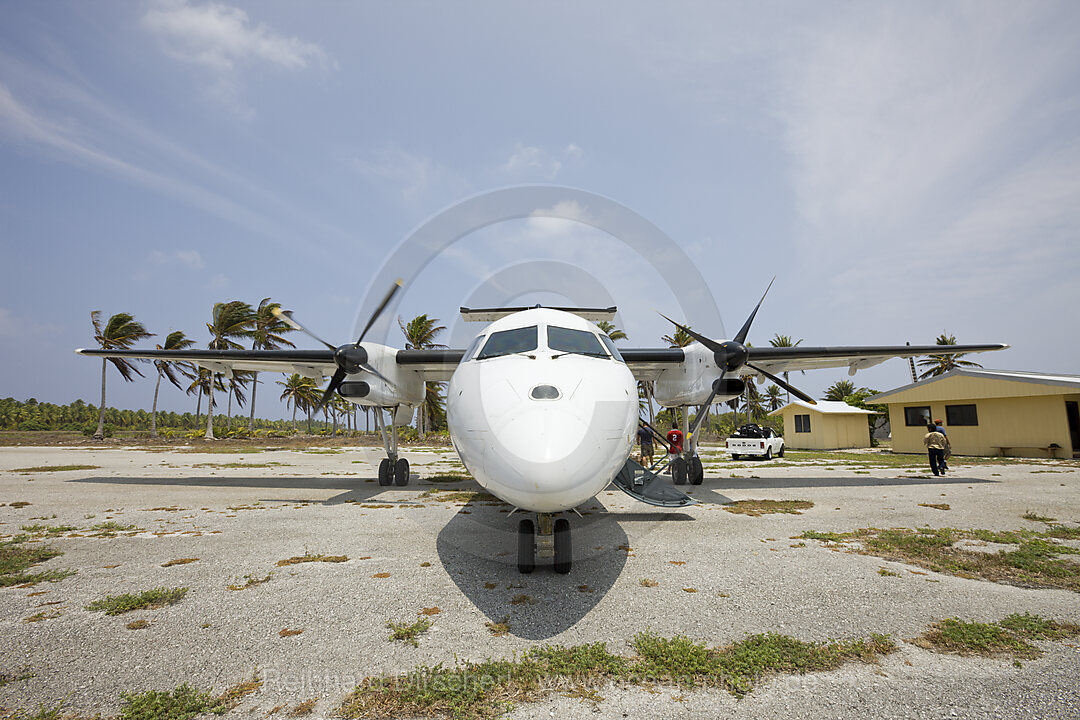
(902, 168)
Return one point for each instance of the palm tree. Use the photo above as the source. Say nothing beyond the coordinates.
(119, 333)
(939, 364)
(300, 392)
(266, 333)
(176, 340)
(420, 334)
(228, 320)
(779, 340)
(773, 398)
(839, 390)
(610, 330)
(680, 339)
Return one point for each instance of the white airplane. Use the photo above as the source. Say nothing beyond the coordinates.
(542, 407)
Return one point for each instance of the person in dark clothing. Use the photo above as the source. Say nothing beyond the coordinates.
(645, 440)
(935, 448)
(940, 427)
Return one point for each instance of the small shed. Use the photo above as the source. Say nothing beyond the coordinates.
(828, 425)
(989, 412)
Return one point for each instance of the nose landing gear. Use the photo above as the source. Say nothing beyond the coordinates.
(551, 542)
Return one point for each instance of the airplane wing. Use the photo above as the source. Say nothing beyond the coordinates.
(646, 363)
(435, 365)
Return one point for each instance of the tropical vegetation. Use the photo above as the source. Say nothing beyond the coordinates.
(940, 364)
(119, 333)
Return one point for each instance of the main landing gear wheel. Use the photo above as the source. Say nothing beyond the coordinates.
(679, 470)
(401, 472)
(526, 547)
(386, 472)
(563, 549)
(697, 472)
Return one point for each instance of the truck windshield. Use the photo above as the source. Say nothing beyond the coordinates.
(508, 342)
(580, 342)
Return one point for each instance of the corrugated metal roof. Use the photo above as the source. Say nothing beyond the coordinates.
(827, 407)
(1066, 381)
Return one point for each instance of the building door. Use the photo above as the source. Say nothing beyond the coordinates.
(1073, 412)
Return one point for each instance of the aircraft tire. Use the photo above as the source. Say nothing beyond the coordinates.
(678, 470)
(563, 548)
(401, 472)
(526, 547)
(697, 472)
(385, 472)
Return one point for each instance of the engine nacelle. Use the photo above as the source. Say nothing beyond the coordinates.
(405, 387)
(694, 379)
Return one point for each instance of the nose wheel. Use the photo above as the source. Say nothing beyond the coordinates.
(552, 541)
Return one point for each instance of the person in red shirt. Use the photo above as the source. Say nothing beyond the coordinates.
(675, 439)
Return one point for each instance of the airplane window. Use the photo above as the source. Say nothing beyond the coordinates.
(508, 342)
(580, 342)
(473, 347)
(610, 345)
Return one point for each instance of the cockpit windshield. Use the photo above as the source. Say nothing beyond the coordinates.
(579, 342)
(508, 342)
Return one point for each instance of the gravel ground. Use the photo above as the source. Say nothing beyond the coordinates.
(747, 574)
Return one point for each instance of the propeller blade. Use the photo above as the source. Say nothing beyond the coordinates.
(711, 344)
(740, 337)
(379, 310)
(791, 389)
(335, 382)
(286, 317)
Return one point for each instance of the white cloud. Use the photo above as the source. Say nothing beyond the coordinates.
(221, 39)
(188, 258)
(8, 326)
(532, 160)
(417, 177)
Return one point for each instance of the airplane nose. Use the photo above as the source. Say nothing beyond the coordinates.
(541, 436)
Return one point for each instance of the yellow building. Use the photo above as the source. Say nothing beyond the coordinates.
(828, 425)
(989, 412)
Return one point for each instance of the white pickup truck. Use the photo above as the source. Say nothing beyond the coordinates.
(754, 440)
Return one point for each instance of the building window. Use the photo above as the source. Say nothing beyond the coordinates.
(961, 415)
(802, 423)
(917, 416)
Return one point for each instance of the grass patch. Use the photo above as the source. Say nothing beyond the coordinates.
(457, 496)
(138, 625)
(179, 561)
(488, 689)
(886, 572)
(408, 633)
(110, 528)
(16, 557)
(500, 627)
(1036, 562)
(1005, 638)
(304, 708)
(755, 508)
(447, 478)
(250, 581)
(54, 468)
(149, 600)
(308, 557)
(239, 465)
(935, 506)
(1029, 515)
(183, 703)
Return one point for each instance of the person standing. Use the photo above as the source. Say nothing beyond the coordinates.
(935, 444)
(940, 427)
(646, 442)
(675, 438)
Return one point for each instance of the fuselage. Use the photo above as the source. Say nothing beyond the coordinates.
(542, 410)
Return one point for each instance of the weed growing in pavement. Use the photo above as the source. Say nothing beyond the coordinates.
(935, 506)
(250, 581)
(16, 557)
(409, 632)
(1008, 637)
(304, 708)
(179, 561)
(150, 599)
(308, 557)
(500, 627)
(484, 690)
(1029, 515)
(109, 528)
(183, 702)
(1034, 563)
(755, 508)
(647, 582)
(54, 468)
(7, 678)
